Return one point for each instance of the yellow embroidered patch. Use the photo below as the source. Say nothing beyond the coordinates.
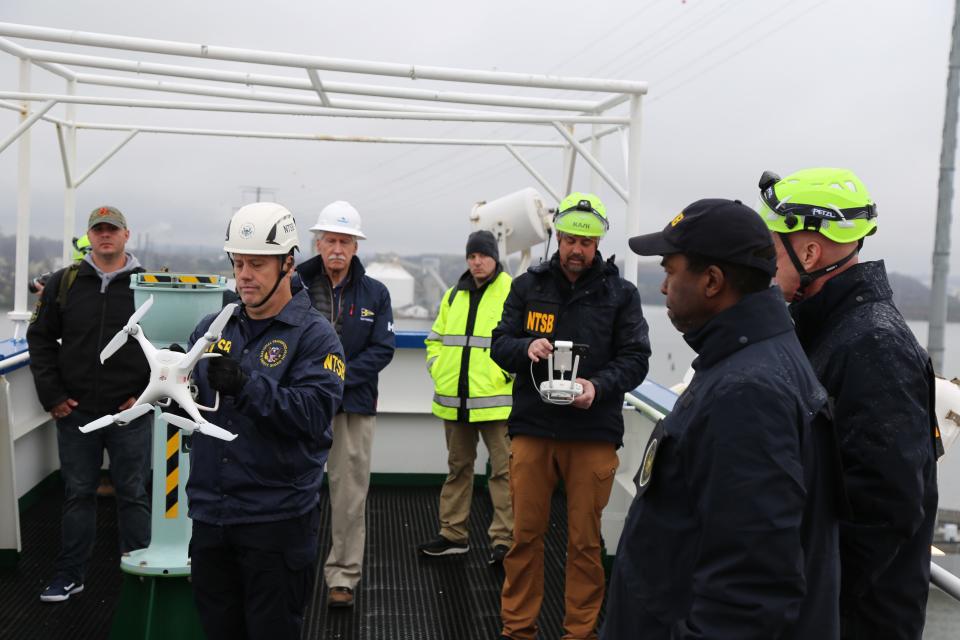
(676, 220)
(220, 345)
(335, 364)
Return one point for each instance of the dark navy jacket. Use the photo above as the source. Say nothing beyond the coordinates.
(367, 333)
(283, 419)
(601, 310)
(881, 384)
(736, 533)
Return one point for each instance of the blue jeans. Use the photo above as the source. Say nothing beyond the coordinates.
(81, 456)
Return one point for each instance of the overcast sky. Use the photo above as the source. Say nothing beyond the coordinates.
(736, 87)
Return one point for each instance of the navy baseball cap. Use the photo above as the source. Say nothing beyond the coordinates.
(726, 230)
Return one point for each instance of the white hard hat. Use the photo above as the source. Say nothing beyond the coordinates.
(339, 217)
(262, 228)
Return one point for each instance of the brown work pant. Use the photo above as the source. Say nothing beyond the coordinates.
(587, 469)
(455, 497)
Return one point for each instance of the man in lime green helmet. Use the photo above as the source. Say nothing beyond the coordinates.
(578, 298)
(881, 383)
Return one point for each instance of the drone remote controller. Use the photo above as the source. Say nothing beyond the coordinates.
(561, 391)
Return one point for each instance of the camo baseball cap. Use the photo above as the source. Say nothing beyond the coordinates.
(110, 215)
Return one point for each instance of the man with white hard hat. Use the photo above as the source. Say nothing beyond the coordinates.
(277, 384)
(359, 309)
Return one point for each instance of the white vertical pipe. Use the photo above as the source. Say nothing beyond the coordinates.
(633, 184)
(569, 163)
(70, 159)
(595, 149)
(936, 343)
(20, 313)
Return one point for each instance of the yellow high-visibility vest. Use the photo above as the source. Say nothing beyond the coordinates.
(489, 389)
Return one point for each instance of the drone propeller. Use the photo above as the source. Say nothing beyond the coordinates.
(216, 327)
(206, 428)
(125, 416)
(99, 423)
(132, 413)
(120, 338)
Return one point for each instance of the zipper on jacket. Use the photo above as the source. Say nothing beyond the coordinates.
(463, 414)
(103, 319)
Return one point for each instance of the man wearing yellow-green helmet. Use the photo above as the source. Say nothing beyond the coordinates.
(881, 384)
(575, 297)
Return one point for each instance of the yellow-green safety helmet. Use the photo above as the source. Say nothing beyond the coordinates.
(833, 202)
(81, 247)
(581, 214)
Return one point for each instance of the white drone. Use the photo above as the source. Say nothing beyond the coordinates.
(169, 377)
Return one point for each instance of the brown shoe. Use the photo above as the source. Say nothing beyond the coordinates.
(340, 597)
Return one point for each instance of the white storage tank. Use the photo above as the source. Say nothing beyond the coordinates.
(397, 280)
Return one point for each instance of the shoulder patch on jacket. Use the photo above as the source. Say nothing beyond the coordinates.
(334, 363)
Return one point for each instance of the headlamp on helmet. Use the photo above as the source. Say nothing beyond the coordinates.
(582, 214)
(832, 202)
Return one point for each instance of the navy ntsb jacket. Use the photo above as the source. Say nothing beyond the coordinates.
(367, 333)
(736, 534)
(601, 310)
(283, 419)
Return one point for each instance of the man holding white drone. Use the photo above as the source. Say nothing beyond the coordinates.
(254, 501)
(580, 298)
(80, 309)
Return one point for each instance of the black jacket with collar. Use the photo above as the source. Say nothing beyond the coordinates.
(601, 310)
(736, 534)
(881, 384)
(86, 323)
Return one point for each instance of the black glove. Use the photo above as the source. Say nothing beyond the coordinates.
(226, 375)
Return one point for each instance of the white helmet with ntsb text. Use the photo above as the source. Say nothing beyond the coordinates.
(339, 217)
(262, 228)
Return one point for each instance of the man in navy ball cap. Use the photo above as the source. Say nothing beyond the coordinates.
(733, 531)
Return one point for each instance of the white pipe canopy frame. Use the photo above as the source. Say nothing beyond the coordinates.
(306, 93)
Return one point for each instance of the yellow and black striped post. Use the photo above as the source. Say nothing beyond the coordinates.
(173, 472)
(176, 278)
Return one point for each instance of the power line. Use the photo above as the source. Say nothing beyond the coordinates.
(801, 14)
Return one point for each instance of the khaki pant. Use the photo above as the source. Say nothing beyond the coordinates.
(587, 470)
(348, 472)
(457, 490)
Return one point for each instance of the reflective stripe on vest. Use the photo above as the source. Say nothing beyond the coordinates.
(477, 342)
(474, 403)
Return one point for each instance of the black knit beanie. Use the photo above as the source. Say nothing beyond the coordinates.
(483, 242)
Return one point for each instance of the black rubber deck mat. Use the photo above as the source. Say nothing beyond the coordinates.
(401, 596)
(86, 615)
